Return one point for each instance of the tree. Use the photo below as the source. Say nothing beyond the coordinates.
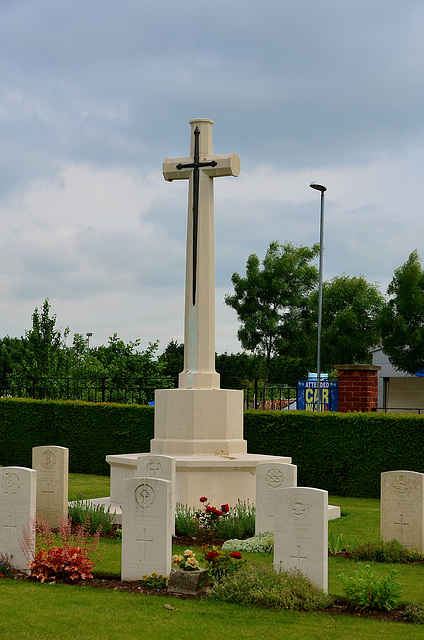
(351, 306)
(272, 302)
(45, 352)
(401, 321)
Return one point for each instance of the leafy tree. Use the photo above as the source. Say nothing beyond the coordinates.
(172, 360)
(272, 300)
(351, 306)
(401, 321)
(11, 354)
(45, 352)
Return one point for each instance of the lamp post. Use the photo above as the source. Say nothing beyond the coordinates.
(88, 334)
(322, 189)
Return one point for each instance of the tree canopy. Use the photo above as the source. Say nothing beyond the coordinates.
(271, 300)
(401, 321)
(349, 331)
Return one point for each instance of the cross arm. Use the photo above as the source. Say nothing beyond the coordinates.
(226, 165)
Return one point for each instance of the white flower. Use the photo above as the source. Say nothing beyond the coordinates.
(192, 563)
(188, 553)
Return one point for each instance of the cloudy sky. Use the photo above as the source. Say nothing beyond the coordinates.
(94, 95)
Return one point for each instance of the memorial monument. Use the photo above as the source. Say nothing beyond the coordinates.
(199, 424)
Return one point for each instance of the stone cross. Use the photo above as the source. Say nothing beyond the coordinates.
(199, 326)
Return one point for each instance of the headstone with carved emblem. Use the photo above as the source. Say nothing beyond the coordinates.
(17, 511)
(269, 477)
(52, 466)
(402, 508)
(156, 466)
(301, 532)
(147, 517)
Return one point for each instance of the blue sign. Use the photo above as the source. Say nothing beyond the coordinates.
(307, 395)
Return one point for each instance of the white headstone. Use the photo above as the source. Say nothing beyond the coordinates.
(402, 508)
(269, 477)
(301, 532)
(52, 466)
(147, 517)
(150, 465)
(17, 511)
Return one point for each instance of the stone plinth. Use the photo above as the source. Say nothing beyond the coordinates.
(188, 582)
(223, 479)
(198, 421)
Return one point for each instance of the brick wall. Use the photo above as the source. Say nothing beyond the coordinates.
(358, 387)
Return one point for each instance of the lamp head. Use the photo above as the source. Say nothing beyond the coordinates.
(318, 187)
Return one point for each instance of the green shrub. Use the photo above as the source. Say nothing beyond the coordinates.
(389, 552)
(7, 570)
(222, 563)
(209, 523)
(93, 516)
(365, 590)
(260, 543)
(261, 585)
(414, 613)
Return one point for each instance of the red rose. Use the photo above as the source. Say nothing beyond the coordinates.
(203, 499)
(217, 512)
(236, 555)
(225, 508)
(211, 555)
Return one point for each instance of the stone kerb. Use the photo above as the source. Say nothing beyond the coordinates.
(17, 511)
(402, 508)
(301, 532)
(146, 527)
(271, 476)
(52, 466)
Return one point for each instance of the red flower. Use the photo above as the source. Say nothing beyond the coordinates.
(218, 513)
(210, 509)
(203, 499)
(225, 508)
(236, 555)
(211, 555)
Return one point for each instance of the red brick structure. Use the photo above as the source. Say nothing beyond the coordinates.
(358, 387)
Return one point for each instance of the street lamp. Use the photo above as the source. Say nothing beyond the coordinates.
(88, 334)
(321, 188)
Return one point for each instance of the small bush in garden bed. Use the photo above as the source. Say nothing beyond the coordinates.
(365, 590)
(155, 581)
(390, 552)
(222, 563)
(211, 523)
(91, 515)
(260, 543)
(260, 584)
(63, 556)
(7, 570)
(414, 613)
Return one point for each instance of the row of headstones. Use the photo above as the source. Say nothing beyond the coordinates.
(42, 490)
(298, 516)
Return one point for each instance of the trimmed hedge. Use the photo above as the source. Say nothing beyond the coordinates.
(90, 431)
(344, 453)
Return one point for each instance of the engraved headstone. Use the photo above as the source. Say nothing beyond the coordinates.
(17, 511)
(301, 532)
(150, 465)
(269, 477)
(51, 464)
(146, 527)
(402, 508)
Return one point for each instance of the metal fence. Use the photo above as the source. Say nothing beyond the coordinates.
(134, 391)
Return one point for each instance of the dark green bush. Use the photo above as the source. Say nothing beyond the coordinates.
(390, 552)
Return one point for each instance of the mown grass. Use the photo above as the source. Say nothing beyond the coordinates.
(50, 612)
(53, 612)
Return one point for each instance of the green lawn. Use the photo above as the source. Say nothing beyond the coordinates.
(53, 612)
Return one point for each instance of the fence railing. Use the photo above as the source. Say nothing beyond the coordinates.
(135, 391)
(100, 389)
